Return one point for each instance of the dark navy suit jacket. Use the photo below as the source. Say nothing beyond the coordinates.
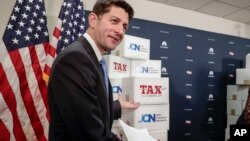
(79, 107)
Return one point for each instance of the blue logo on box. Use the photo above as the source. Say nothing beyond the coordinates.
(144, 70)
(135, 47)
(148, 118)
(116, 89)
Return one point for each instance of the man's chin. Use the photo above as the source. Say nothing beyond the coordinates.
(113, 47)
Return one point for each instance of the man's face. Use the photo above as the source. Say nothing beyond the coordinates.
(109, 29)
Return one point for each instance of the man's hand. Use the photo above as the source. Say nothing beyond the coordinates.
(128, 104)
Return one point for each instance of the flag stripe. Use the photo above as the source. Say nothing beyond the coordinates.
(38, 74)
(51, 53)
(57, 32)
(46, 71)
(14, 87)
(9, 98)
(26, 94)
(4, 133)
(41, 53)
(34, 78)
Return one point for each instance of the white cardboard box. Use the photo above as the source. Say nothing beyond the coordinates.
(248, 61)
(243, 76)
(133, 47)
(146, 68)
(244, 92)
(118, 67)
(244, 102)
(146, 90)
(231, 120)
(233, 92)
(117, 88)
(237, 92)
(234, 107)
(151, 117)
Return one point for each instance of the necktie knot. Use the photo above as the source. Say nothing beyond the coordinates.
(105, 73)
(103, 62)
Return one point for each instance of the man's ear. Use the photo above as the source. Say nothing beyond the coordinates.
(92, 19)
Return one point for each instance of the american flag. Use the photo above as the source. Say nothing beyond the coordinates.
(23, 95)
(70, 26)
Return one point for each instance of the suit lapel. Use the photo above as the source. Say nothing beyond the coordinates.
(101, 90)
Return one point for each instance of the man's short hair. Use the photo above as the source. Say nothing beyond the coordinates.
(103, 6)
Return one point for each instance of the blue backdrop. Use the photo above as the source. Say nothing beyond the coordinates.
(199, 65)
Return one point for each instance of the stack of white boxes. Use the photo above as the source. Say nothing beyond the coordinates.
(237, 95)
(139, 79)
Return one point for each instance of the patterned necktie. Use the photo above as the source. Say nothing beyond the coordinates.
(247, 109)
(105, 72)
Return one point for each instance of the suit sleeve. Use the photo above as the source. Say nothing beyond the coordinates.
(74, 107)
(117, 109)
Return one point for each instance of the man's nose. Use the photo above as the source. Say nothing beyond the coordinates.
(120, 29)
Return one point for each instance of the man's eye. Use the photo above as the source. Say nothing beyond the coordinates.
(125, 28)
(114, 21)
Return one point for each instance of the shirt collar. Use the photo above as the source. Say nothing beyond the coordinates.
(94, 46)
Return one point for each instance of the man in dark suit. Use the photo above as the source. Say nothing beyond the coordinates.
(81, 105)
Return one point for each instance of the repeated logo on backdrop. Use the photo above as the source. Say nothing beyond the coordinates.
(164, 45)
(164, 71)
